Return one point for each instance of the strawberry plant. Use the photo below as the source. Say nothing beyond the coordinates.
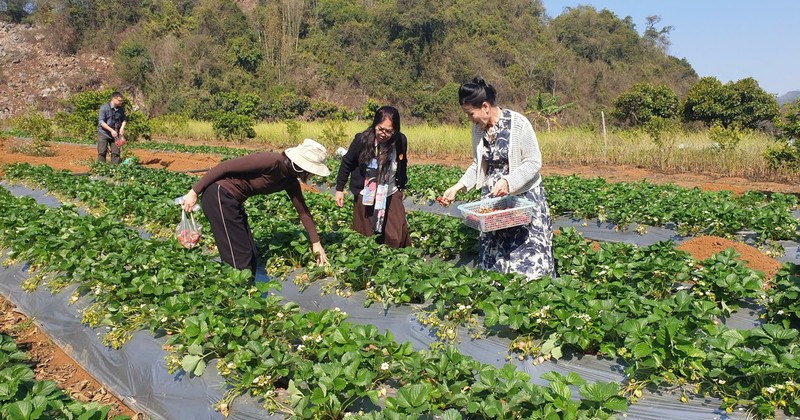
(23, 397)
(652, 308)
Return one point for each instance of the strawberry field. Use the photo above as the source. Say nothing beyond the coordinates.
(623, 329)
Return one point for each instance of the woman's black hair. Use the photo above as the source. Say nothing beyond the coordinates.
(368, 136)
(476, 92)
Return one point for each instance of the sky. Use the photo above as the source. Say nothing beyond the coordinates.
(726, 39)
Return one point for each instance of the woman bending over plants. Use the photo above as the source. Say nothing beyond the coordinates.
(226, 186)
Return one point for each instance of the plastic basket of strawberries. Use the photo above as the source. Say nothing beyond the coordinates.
(497, 213)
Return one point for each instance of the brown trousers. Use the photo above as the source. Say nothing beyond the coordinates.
(395, 229)
(230, 228)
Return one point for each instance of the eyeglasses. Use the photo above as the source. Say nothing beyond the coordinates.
(385, 131)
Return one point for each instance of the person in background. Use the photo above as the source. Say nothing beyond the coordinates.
(111, 129)
(506, 160)
(376, 164)
(226, 186)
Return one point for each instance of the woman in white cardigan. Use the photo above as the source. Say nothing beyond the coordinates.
(506, 160)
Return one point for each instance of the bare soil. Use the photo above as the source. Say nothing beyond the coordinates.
(49, 362)
(52, 363)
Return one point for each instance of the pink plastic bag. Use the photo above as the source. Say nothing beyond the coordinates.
(120, 141)
(188, 231)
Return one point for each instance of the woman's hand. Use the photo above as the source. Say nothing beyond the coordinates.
(338, 198)
(450, 195)
(319, 252)
(189, 200)
(500, 188)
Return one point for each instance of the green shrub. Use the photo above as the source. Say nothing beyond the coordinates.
(231, 125)
(790, 124)
(293, 129)
(321, 110)
(39, 128)
(725, 138)
(285, 106)
(333, 134)
(80, 111)
(171, 125)
(786, 154)
(369, 108)
(662, 131)
(643, 102)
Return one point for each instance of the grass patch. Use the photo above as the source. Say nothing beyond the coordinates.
(692, 152)
(682, 152)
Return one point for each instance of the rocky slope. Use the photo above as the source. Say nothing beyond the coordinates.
(33, 74)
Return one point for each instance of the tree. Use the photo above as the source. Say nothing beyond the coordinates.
(658, 38)
(786, 154)
(742, 103)
(164, 18)
(134, 64)
(597, 36)
(545, 108)
(434, 107)
(232, 115)
(16, 10)
(643, 102)
(751, 105)
(790, 124)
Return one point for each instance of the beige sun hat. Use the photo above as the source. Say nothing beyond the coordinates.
(310, 156)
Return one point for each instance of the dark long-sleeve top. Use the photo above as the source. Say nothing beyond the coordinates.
(111, 116)
(260, 173)
(357, 171)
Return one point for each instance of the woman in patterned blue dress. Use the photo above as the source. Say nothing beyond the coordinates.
(506, 160)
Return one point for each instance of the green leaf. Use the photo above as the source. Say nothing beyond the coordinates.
(618, 404)
(19, 410)
(599, 391)
(561, 389)
(774, 331)
(491, 315)
(414, 397)
(193, 364)
(451, 414)
(642, 350)
(575, 379)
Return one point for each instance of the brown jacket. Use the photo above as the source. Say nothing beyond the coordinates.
(260, 173)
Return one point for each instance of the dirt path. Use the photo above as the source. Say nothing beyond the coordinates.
(77, 158)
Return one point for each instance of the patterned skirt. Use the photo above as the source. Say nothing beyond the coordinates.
(527, 249)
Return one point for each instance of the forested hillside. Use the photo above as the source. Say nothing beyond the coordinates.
(308, 58)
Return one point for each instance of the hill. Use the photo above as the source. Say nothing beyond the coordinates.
(303, 57)
(33, 75)
(788, 97)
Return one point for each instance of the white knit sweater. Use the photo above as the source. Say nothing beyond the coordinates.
(524, 158)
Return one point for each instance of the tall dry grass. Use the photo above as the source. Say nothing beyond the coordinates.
(685, 152)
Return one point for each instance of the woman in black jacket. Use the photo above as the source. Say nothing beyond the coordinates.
(376, 165)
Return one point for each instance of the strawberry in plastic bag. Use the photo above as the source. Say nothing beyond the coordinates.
(188, 231)
(120, 141)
